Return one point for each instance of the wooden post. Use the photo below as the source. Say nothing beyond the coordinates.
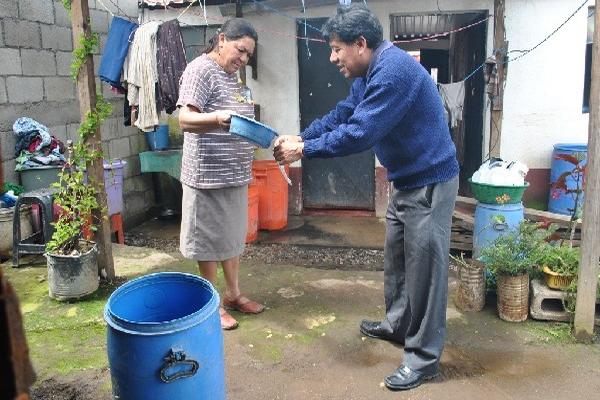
(86, 87)
(500, 49)
(590, 235)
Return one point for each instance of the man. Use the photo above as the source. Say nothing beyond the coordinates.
(394, 107)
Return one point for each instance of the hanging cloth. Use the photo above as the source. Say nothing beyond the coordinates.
(115, 51)
(142, 76)
(453, 96)
(170, 62)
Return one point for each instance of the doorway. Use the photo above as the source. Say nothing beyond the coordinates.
(329, 183)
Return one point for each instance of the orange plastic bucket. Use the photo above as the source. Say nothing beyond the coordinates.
(252, 234)
(273, 195)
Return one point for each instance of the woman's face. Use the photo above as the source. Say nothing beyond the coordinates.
(234, 54)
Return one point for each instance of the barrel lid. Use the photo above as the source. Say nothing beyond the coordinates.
(574, 147)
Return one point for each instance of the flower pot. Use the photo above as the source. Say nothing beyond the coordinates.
(6, 228)
(555, 280)
(74, 276)
(470, 295)
(513, 297)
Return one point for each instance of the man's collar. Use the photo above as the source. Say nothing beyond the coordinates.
(386, 44)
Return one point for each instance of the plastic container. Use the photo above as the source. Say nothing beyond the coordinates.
(560, 202)
(492, 221)
(164, 339)
(113, 184)
(273, 195)
(252, 130)
(159, 138)
(253, 193)
(39, 178)
(557, 281)
(6, 227)
(491, 194)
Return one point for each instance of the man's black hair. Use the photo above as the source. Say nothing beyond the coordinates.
(351, 22)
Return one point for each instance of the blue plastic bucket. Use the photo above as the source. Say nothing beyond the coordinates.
(164, 339)
(252, 130)
(559, 201)
(159, 138)
(492, 221)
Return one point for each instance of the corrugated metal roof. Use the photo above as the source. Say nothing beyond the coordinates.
(416, 25)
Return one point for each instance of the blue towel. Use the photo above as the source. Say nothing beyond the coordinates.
(115, 51)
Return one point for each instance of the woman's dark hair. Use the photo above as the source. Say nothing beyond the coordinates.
(351, 22)
(233, 29)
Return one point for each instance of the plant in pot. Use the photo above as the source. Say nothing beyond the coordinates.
(71, 257)
(511, 258)
(470, 294)
(559, 263)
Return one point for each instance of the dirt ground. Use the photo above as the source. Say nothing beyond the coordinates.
(307, 345)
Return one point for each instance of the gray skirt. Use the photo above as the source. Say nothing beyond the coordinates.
(214, 223)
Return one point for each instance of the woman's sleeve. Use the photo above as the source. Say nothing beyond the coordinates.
(195, 88)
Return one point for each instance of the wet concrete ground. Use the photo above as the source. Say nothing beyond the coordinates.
(307, 345)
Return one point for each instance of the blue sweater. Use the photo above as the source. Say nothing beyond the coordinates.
(397, 110)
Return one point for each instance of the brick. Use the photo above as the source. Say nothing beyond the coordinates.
(58, 89)
(24, 90)
(106, 150)
(56, 38)
(138, 144)
(10, 62)
(119, 148)
(8, 168)
(60, 132)
(99, 21)
(3, 96)
(61, 15)
(38, 62)
(22, 34)
(8, 8)
(132, 168)
(96, 58)
(36, 10)
(8, 140)
(109, 129)
(63, 63)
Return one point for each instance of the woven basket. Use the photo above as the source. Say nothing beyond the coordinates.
(557, 281)
(491, 194)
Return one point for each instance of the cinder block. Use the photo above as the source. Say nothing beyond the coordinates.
(58, 89)
(119, 148)
(8, 140)
(3, 96)
(10, 62)
(546, 303)
(61, 15)
(8, 8)
(63, 63)
(22, 34)
(1, 38)
(133, 166)
(8, 169)
(138, 144)
(36, 10)
(56, 38)
(109, 129)
(60, 132)
(38, 62)
(129, 7)
(99, 20)
(24, 90)
(106, 150)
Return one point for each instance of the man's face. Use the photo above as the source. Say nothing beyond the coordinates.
(349, 58)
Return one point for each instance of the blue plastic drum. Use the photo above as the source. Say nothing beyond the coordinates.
(564, 158)
(492, 221)
(165, 339)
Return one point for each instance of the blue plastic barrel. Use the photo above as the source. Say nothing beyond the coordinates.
(164, 339)
(159, 138)
(559, 200)
(492, 221)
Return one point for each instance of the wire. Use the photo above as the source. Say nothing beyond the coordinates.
(437, 35)
(285, 15)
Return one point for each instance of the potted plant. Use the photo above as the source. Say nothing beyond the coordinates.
(470, 294)
(511, 258)
(559, 263)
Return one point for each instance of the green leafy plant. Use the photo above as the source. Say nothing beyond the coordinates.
(67, 4)
(559, 258)
(517, 252)
(87, 45)
(77, 192)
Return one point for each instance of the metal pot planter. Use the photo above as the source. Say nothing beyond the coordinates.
(73, 276)
(470, 295)
(513, 297)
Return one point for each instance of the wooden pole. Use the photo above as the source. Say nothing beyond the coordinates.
(500, 49)
(86, 87)
(590, 233)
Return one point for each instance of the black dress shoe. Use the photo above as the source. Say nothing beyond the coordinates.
(374, 330)
(405, 378)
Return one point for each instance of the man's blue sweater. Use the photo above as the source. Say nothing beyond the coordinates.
(397, 110)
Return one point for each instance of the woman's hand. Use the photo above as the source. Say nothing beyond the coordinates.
(223, 118)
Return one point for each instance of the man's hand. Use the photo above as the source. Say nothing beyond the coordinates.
(288, 149)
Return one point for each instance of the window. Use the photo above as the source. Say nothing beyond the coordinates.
(588, 60)
(195, 39)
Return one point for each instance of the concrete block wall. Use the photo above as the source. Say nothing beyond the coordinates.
(35, 81)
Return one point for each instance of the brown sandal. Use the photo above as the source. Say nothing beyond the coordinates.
(227, 321)
(243, 305)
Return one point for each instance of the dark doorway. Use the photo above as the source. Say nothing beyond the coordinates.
(335, 183)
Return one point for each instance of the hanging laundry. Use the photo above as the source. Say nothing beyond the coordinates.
(142, 75)
(27, 130)
(171, 63)
(453, 97)
(120, 35)
(35, 147)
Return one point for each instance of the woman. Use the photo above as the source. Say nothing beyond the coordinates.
(216, 166)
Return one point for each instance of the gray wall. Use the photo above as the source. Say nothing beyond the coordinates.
(35, 81)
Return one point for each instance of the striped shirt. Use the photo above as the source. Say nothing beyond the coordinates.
(216, 159)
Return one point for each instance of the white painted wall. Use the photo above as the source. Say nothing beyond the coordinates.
(544, 90)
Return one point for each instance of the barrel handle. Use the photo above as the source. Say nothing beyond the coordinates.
(177, 356)
(500, 226)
